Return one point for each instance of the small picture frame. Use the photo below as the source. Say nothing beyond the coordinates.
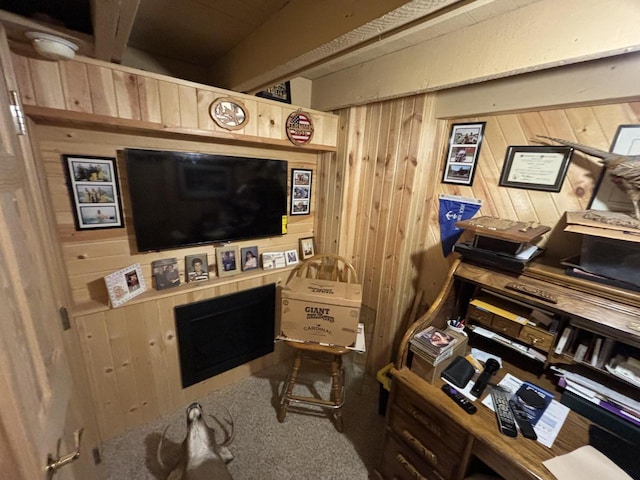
(291, 257)
(272, 260)
(301, 179)
(249, 256)
(462, 155)
(94, 191)
(607, 196)
(535, 167)
(281, 92)
(307, 248)
(125, 284)
(229, 113)
(228, 260)
(196, 267)
(165, 273)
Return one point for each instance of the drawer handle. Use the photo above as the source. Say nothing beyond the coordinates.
(417, 445)
(420, 417)
(409, 468)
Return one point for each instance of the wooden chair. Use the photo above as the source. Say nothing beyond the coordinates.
(324, 267)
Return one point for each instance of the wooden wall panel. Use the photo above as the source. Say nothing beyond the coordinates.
(131, 355)
(84, 86)
(89, 255)
(388, 169)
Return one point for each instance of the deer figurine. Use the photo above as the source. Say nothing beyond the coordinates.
(200, 457)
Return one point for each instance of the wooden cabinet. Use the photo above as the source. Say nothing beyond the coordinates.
(422, 442)
(429, 436)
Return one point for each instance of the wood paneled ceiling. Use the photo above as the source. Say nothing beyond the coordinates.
(245, 45)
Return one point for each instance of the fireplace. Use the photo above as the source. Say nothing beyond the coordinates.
(219, 334)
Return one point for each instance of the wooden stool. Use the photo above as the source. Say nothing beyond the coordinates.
(329, 356)
(323, 266)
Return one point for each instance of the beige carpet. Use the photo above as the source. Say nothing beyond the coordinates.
(303, 447)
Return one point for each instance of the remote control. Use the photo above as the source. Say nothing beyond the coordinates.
(506, 424)
(460, 399)
(522, 419)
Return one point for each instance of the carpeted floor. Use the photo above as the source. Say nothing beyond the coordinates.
(303, 447)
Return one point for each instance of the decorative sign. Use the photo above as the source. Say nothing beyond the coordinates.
(299, 128)
(229, 113)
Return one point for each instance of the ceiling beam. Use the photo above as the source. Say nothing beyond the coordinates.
(112, 22)
(305, 32)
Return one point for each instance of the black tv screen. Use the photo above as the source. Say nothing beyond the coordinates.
(181, 199)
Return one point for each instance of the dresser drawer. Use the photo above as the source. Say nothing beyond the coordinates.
(479, 315)
(434, 429)
(506, 326)
(430, 449)
(537, 338)
(398, 462)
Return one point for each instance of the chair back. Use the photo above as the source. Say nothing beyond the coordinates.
(326, 266)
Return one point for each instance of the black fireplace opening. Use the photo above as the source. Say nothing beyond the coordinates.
(221, 333)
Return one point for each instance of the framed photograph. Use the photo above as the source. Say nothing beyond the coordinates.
(307, 248)
(606, 196)
(462, 155)
(535, 168)
(228, 260)
(291, 257)
(249, 256)
(196, 267)
(273, 260)
(229, 113)
(125, 284)
(93, 187)
(165, 273)
(301, 191)
(280, 92)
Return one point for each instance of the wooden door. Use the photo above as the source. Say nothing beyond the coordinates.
(35, 379)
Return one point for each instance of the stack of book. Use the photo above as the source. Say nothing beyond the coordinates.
(433, 345)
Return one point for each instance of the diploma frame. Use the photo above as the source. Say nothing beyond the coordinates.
(516, 171)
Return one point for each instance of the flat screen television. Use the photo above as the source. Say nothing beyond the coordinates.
(181, 199)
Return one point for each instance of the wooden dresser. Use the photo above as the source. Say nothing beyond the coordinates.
(429, 437)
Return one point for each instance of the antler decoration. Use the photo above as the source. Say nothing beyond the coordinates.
(623, 169)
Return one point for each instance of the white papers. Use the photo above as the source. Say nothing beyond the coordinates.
(584, 462)
(549, 425)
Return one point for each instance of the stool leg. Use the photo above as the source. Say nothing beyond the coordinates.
(336, 389)
(288, 387)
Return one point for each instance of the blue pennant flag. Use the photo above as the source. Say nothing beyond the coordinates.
(454, 209)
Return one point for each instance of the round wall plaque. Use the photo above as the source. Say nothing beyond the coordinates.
(229, 113)
(299, 128)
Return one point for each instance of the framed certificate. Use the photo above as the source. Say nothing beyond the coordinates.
(535, 168)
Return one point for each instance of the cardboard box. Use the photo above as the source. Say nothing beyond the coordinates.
(320, 311)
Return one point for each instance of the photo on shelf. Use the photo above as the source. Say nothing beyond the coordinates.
(249, 257)
(125, 284)
(228, 260)
(165, 273)
(196, 267)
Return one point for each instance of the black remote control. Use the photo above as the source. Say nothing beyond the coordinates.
(506, 424)
(460, 399)
(522, 419)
